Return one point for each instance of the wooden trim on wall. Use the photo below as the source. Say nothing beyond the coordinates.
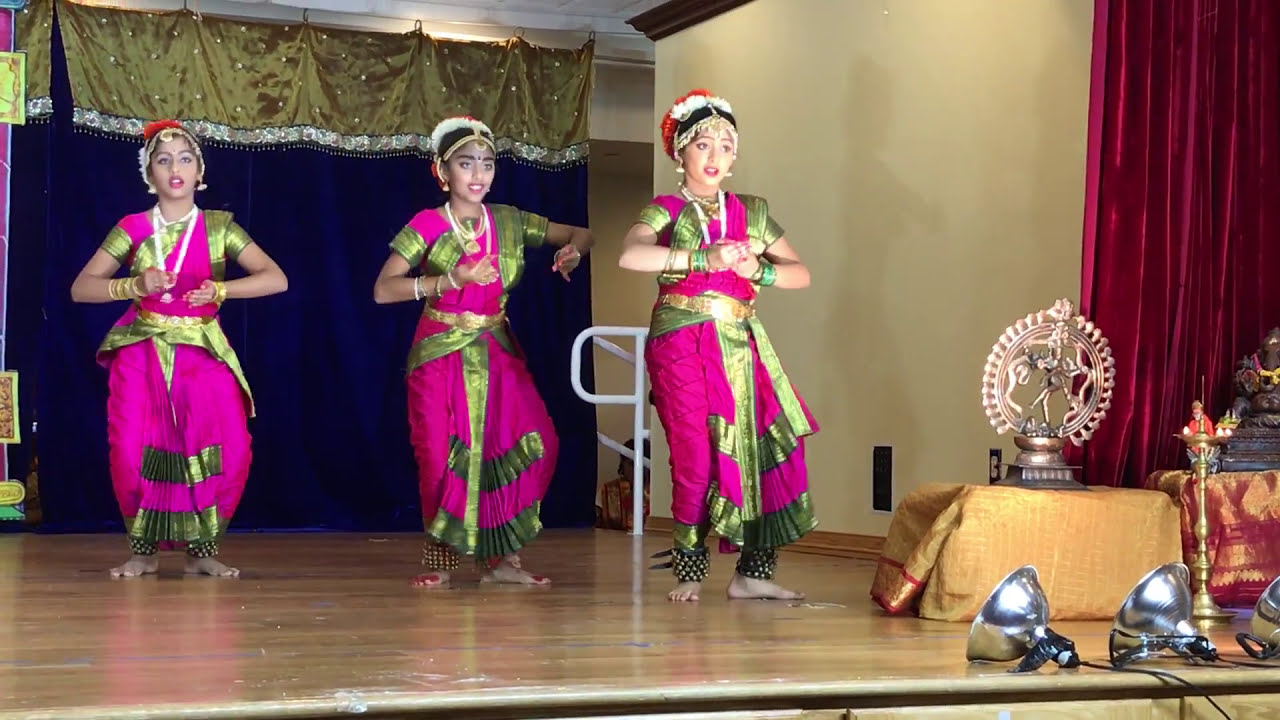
(818, 542)
(673, 16)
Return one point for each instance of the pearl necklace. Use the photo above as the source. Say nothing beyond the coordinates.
(703, 221)
(158, 224)
(468, 237)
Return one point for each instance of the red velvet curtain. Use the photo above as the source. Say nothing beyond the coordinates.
(1181, 266)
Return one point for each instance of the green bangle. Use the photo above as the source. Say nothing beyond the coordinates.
(768, 275)
(698, 261)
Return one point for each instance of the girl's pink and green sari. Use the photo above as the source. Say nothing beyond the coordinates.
(178, 403)
(734, 423)
(485, 445)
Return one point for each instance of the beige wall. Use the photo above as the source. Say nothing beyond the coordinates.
(926, 158)
(622, 104)
(620, 184)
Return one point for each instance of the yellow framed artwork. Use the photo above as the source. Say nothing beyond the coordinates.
(13, 88)
(10, 431)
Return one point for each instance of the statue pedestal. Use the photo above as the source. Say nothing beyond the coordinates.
(1251, 449)
(1040, 465)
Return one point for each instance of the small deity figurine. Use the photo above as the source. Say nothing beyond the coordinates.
(1199, 421)
(1257, 386)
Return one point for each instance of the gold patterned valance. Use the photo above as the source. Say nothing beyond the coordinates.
(34, 27)
(276, 84)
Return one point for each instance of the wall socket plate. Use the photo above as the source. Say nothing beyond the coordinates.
(882, 478)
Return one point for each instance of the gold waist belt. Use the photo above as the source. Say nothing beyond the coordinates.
(465, 320)
(155, 318)
(721, 308)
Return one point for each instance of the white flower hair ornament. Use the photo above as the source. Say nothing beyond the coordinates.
(161, 131)
(453, 133)
(683, 109)
(697, 111)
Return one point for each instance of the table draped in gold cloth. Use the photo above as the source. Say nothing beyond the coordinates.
(1244, 529)
(949, 545)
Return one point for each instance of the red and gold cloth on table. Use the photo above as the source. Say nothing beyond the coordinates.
(617, 505)
(1244, 529)
(950, 545)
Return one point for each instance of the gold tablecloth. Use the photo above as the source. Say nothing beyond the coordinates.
(949, 545)
(1244, 529)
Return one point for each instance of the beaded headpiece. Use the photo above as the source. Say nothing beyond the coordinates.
(163, 131)
(695, 112)
(453, 133)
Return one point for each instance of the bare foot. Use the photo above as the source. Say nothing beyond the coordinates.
(745, 588)
(136, 566)
(685, 592)
(430, 580)
(508, 571)
(210, 566)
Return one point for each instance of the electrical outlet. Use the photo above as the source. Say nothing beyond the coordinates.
(993, 463)
(882, 478)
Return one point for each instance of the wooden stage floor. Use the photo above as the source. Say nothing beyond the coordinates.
(326, 625)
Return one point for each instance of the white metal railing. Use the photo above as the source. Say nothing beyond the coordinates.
(637, 399)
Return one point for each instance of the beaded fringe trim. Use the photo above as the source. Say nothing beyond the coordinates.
(307, 136)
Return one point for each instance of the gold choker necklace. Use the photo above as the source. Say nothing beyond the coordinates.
(710, 206)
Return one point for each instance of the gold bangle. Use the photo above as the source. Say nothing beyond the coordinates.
(219, 293)
(670, 265)
(134, 289)
(120, 288)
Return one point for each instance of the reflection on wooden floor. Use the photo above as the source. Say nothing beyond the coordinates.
(326, 625)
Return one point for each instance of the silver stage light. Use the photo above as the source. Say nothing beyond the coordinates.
(1014, 623)
(1157, 617)
(1264, 628)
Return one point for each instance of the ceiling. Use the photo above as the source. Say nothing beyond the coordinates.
(599, 16)
(602, 16)
(551, 23)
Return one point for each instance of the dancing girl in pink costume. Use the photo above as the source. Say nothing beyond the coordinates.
(178, 402)
(734, 424)
(485, 445)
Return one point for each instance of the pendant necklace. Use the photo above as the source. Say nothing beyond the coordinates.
(708, 205)
(468, 237)
(704, 221)
(158, 224)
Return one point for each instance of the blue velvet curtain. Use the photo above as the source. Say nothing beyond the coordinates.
(331, 447)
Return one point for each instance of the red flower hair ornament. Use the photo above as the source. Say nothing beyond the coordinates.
(689, 114)
(152, 128)
(153, 134)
